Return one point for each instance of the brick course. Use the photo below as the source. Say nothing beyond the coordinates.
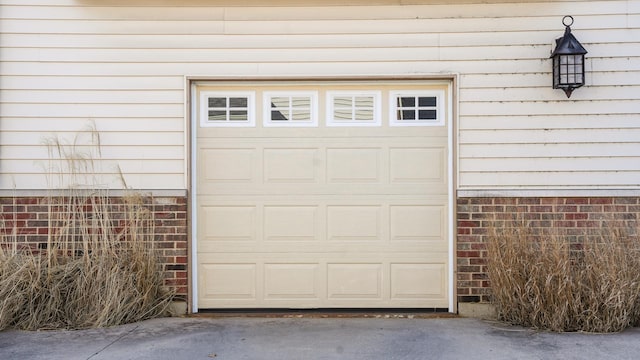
(25, 220)
(475, 217)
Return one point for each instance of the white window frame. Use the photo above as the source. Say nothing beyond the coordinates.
(440, 107)
(377, 113)
(313, 109)
(204, 109)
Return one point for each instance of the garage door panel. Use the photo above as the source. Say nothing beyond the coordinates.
(291, 165)
(351, 189)
(406, 279)
(228, 165)
(346, 281)
(324, 216)
(383, 131)
(228, 281)
(284, 281)
(417, 222)
(318, 166)
(291, 223)
(227, 223)
(417, 164)
(418, 281)
(354, 165)
(354, 223)
(349, 248)
(383, 224)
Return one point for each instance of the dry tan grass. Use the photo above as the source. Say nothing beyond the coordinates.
(548, 279)
(94, 272)
(99, 266)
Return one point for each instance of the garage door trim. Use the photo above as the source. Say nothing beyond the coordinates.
(191, 85)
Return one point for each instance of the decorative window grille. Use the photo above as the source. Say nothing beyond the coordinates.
(353, 108)
(227, 109)
(412, 108)
(290, 109)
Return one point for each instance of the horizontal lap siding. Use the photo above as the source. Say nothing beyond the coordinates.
(516, 132)
(120, 65)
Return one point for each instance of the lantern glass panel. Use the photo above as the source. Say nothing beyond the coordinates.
(569, 69)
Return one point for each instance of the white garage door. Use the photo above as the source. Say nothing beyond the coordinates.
(322, 195)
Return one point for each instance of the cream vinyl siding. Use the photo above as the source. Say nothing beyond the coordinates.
(122, 65)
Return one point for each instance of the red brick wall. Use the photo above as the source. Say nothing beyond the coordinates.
(26, 219)
(573, 214)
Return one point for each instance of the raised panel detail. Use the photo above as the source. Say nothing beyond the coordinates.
(354, 281)
(418, 281)
(228, 165)
(353, 165)
(346, 223)
(229, 223)
(417, 165)
(290, 165)
(290, 223)
(228, 281)
(417, 222)
(291, 281)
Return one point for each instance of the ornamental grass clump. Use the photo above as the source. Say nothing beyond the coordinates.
(94, 270)
(98, 266)
(559, 280)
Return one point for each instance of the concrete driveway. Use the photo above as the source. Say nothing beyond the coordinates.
(316, 338)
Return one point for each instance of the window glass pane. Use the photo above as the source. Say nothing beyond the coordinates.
(238, 115)
(217, 115)
(238, 102)
(280, 106)
(406, 115)
(279, 116)
(303, 115)
(217, 102)
(427, 115)
(342, 114)
(364, 114)
(406, 101)
(279, 102)
(364, 102)
(343, 102)
(427, 101)
(301, 102)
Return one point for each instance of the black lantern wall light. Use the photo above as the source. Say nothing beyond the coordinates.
(568, 60)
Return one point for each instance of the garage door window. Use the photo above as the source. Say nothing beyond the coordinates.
(231, 109)
(416, 109)
(290, 109)
(352, 108)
